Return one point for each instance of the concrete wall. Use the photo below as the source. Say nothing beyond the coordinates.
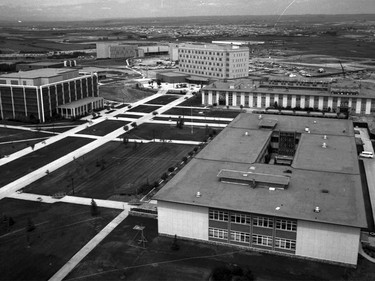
(328, 242)
(183, 220)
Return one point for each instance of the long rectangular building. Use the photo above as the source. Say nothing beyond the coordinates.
(214, 61)
(322, 95)
(37, 94)
(281, 184)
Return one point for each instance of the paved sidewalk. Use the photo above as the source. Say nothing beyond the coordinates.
(81, 254)
(70, 199)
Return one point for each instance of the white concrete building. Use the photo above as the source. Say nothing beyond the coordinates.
(270, 184)
(214, 61)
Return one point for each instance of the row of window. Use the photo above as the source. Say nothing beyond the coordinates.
(259, 221)
(260, 240)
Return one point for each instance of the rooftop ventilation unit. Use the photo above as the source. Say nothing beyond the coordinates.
(307, 129)
(317, 209)
(324, 145)
(246, 133)
(198, 194)
(325, 137)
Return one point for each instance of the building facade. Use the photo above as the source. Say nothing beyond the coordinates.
(291, 94)
(214, 61)
(280, 184)
(37, 94)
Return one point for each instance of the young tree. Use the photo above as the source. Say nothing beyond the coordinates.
(94, 208)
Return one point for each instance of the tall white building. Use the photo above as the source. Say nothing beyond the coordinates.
(214, 61)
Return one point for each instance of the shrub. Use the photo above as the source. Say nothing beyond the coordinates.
(191, 153)
(184, 158)
(134, 124)
(155, 113)
(129, 106)
(195, 149)
(164, 176)
(126, 127)
(170, 169)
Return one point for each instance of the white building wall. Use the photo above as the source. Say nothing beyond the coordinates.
(358, 106)
(320, 103)
(368, 106)
(328, 242)
(302, 102)
(183, 220)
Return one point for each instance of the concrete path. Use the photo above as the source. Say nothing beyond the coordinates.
(70, 199)
(81, 254)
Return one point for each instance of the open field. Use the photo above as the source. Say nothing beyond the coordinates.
(60, 231)
(150, 131)
(29, 163)
(113, 168)
(120, 257)
(163, 100)
(224, 113)
(118, 92)
(103, 128)
(144, 108)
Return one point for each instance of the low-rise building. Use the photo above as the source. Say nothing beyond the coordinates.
(325, 95)
(281, 184)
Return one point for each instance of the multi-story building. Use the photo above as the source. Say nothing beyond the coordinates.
(312, 94)
(214, 61)
(114, 50)
(282, 184)
(39, 94)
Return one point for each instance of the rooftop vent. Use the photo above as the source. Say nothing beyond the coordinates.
(325, 137)
(246, 133)
(324, 145)
(317, 209)
(314, 122)
(198, 194)
(307, 129)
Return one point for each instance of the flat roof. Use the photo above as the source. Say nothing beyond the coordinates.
(213, 47)
(81, 102)
(327, 178)
(37, 73)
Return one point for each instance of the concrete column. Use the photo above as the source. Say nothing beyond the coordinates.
(320, 103)
(312, 102)
(302, 102)
(293, 104)
(24, 100)
(285, 100)
(330, 102)
(276, 99)
(49, 99)
(368, 106)
(1, 107)
(267, 100)
(11, 95)
(259, 100)
(243, 99)
(251, 103)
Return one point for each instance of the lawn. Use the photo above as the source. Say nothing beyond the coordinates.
(103, 128)
(163, 100)
(118, 257)
(134, 116)
(22, 140)
(60, 231)
(151, 131)
(193, 101)
(223, 113)
(144, 108)
(112, 169)
(30, 162)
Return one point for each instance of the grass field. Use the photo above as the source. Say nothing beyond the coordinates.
(103, 128)
(117, 92)
(223, 113)
(193, 101)
(134, 116)
(27, 164)
(113, 168)
(163, 100)
(23, 139)
(60, 231)
(150, 131)
(118, 257)
(144, 108)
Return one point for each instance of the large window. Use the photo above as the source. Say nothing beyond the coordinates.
(263, 222)
(218, 215)
(240, 218)
(286, 225)
(262, 240)
(240, 236)
(218, 233)
(287, 244)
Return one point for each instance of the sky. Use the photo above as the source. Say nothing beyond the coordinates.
(41, 10)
